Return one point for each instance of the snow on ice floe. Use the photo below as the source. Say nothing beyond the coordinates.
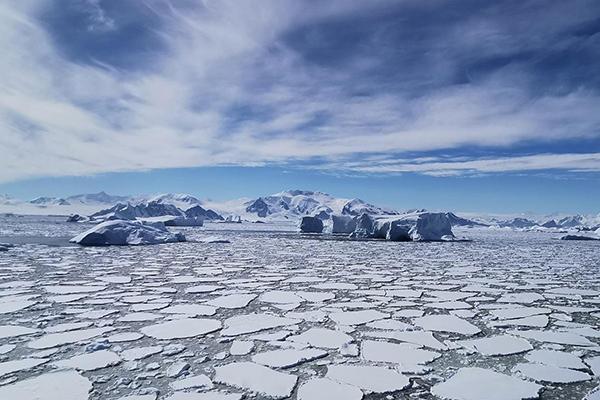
(406, 355)
(479, 383)
(287, 357)
(369, 378)
(250, 323)
(20, 365)
(61, 385)
(500, 345)
(327, 389)
(182, 328)
(549, 373)
(555, 358)
(324, 338)
(421, 338)
(446, 323)
(213, 395)
(8, 331)
(356, 317)
(138, 353)
(256, 378)
(90, 361)
(122, 232)
(59, 339)
(554, 337)
(237, 300)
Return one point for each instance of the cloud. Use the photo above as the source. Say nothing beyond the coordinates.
(589, 162)
(246, 83)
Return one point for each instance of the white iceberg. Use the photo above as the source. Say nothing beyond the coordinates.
(420, 226)
(119, 232)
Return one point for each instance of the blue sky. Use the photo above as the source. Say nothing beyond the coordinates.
(464, 105)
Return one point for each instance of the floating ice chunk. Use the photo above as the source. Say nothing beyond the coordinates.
(479, 383)
(450, 305)
(497, 345)
(535, 321)
(124, 337)
(182, 328)
(150, 396)
(280, 297)
(287, 357)
(69, 326)
(190, 310)
(316, 297)
(390, 324)
(90, 361)
(248, 323)
(405, 354)
(58, 339)
(7, 348)
(422, 338)
(321, 337)
(192, 382)
(241, 347)
(574, 291)
(554, 337)
(72, 289)
(326, 389)
(122, 232)
(519, 312)
(63, 385)
(256, 378)
(555, 358)
(139, 317)
(523, 297)
(357, 317)
(177, 369)
(369, 378)
(7, 331)
(594, 394)
(20, 365)
(594, 363)
(114, 279)
(203, 289)
(232, 301)
(138, 353)
(446, 323)
(549, 373)
(214, 395)
(11, 304)
(312, 316)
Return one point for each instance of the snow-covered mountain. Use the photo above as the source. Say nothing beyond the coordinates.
(83, 204)
(101, 198)
(292, 204)
(49, 201)
(179, 200)
(151, 209)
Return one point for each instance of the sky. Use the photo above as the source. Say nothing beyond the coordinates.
(469, 105)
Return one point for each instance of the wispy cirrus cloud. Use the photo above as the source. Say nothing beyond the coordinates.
(183, 84)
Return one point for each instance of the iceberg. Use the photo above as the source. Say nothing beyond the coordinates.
(311, 225)
(421, 226)
(342, 224)
(120, 233)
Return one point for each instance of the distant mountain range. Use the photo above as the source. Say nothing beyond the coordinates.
(287, 205)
